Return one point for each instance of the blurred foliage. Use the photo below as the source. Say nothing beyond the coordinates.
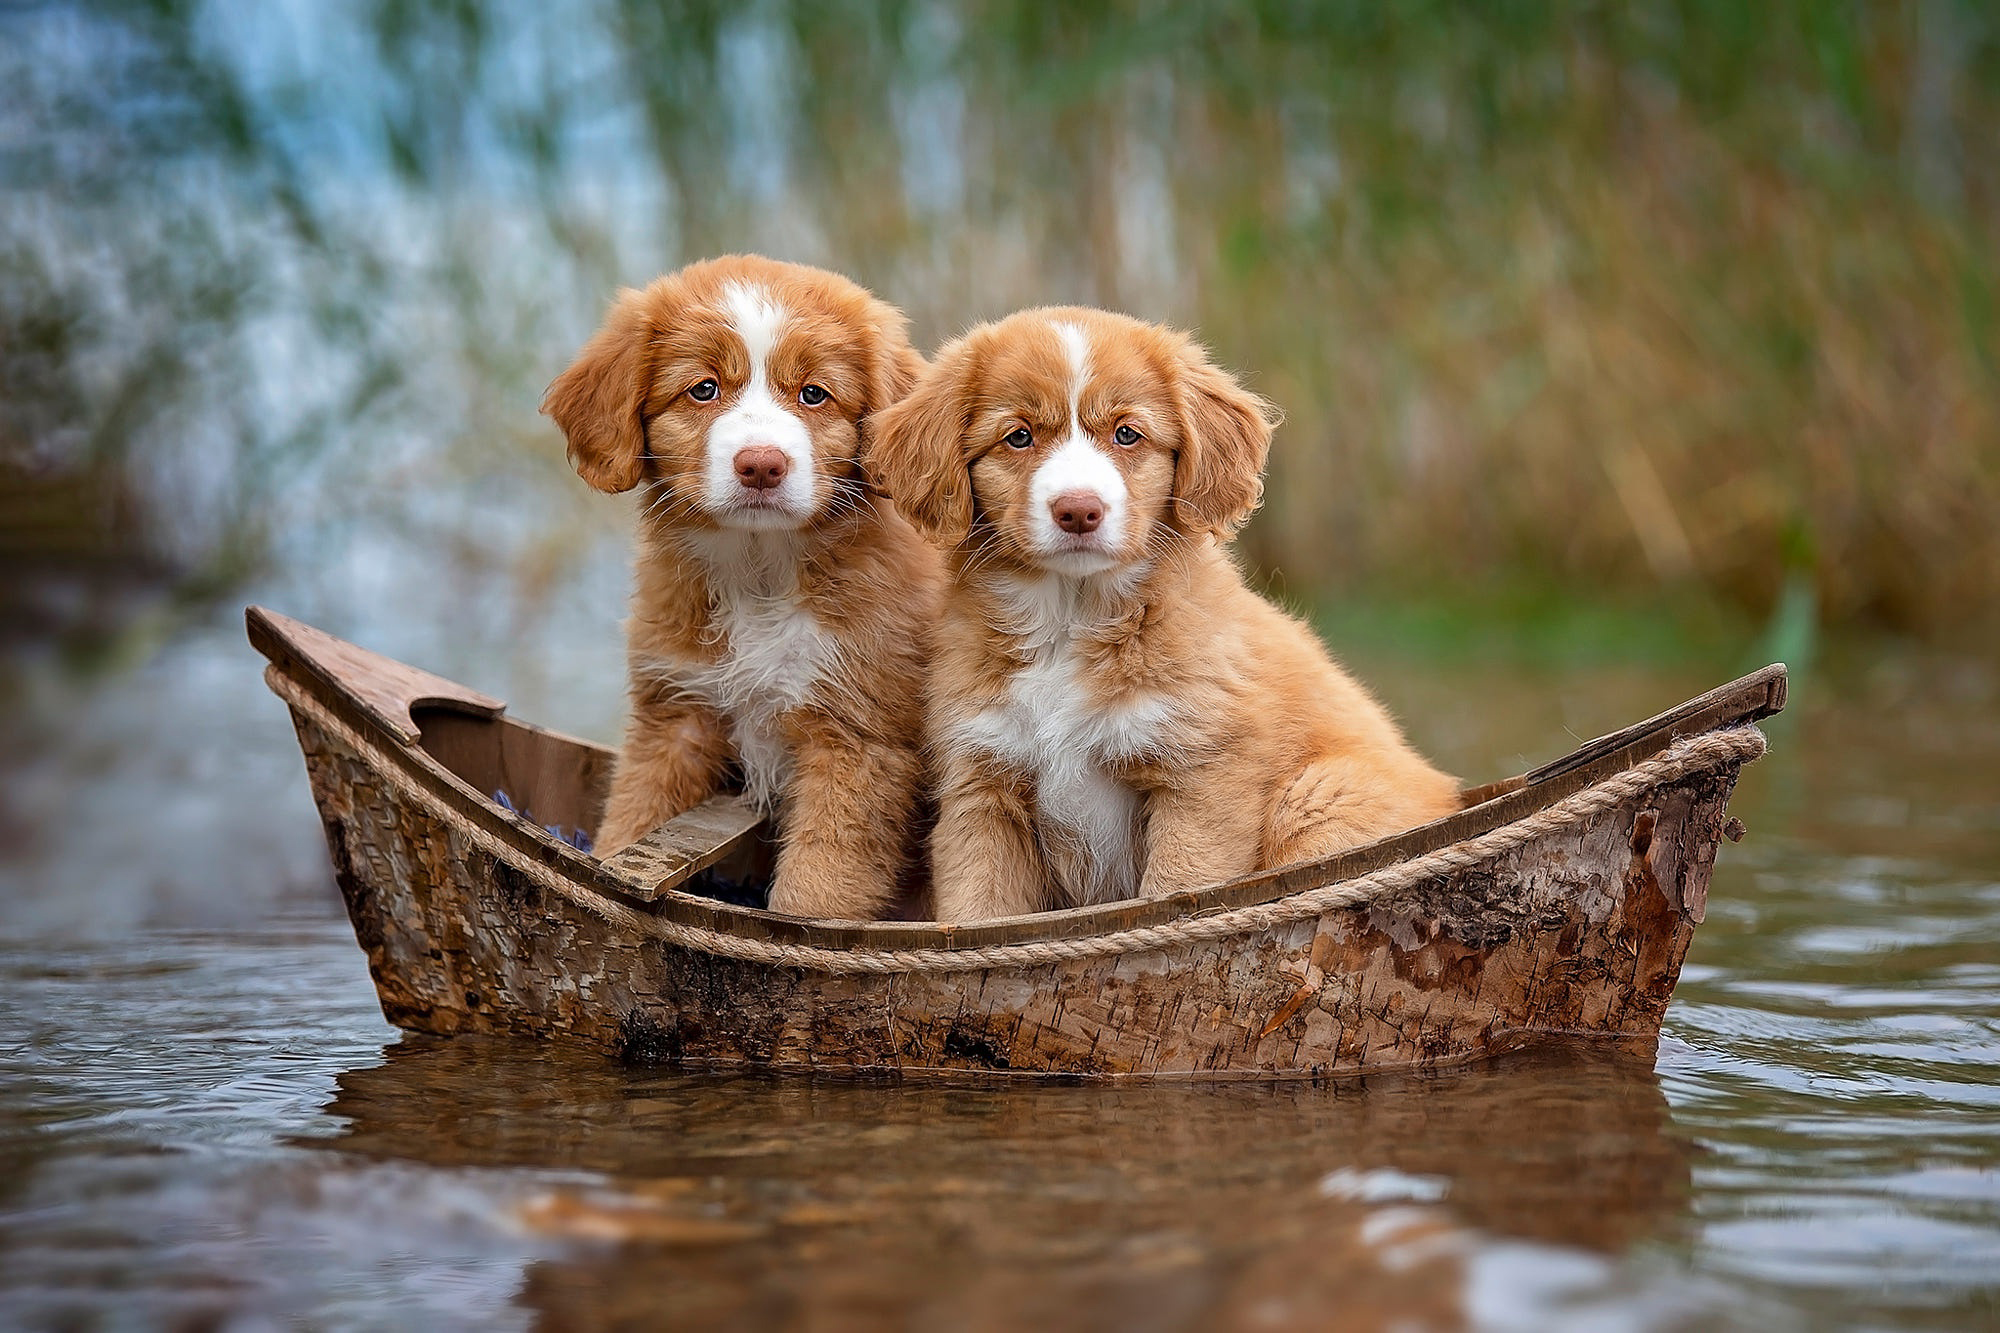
(1685, 301)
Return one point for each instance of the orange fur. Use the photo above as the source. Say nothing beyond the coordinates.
(1112, 710)
(781, 643)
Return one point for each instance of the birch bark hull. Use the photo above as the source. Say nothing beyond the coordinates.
(1577, 931)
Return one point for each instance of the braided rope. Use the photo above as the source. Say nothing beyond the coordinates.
(1714, 749)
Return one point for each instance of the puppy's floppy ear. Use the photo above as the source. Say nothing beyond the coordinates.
(918, 452)
(1225, 438)
(902, 376)
(600, 400)
(894, 365)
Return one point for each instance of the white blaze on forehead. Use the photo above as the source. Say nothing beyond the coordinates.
(1076, 344)
(757, 320)
(756, 417)
(1078, 463)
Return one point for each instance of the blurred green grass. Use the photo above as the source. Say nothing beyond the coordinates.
(1536, 627)
(1600, 329)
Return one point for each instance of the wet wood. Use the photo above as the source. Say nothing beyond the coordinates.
(1755, 696)
(682, 848)
(549, 777)
(381, 688)
(1581, 932)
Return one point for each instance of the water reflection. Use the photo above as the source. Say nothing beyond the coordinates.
(1036, 1204)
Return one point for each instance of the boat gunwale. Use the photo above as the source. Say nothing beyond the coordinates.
(1757, 695)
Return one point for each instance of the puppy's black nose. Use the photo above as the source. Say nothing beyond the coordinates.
(1077, 511)
(761, 467)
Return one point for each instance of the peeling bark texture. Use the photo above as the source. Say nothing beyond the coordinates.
(1582, 932)
(476, 920)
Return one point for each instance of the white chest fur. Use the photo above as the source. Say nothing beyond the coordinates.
(772, 654)
(1053, 725)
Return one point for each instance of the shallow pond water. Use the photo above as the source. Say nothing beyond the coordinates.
(216, 1126)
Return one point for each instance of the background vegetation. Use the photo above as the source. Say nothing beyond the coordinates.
(1689, 297)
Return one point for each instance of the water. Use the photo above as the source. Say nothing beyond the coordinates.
(215, 1126)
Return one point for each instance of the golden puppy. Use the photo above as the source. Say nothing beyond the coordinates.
(781, 613)
(1113, 712)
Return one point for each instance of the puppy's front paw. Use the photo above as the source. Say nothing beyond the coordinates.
(798, 891)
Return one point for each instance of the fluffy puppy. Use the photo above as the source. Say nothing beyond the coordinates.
(1113, 711)
(781, 612)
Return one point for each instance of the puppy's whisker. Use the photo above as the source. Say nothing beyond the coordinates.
(666, 513)
(981, 558)
(841, 503)
(670, 503)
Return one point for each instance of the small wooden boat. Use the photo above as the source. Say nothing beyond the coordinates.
(1561, 901)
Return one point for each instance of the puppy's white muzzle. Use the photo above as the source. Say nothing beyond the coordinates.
(759, 468)
(1078, 508)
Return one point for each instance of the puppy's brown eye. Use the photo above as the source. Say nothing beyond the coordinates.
(1126, 436)
(705, 391)
(1019, 438)
(812, 395)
